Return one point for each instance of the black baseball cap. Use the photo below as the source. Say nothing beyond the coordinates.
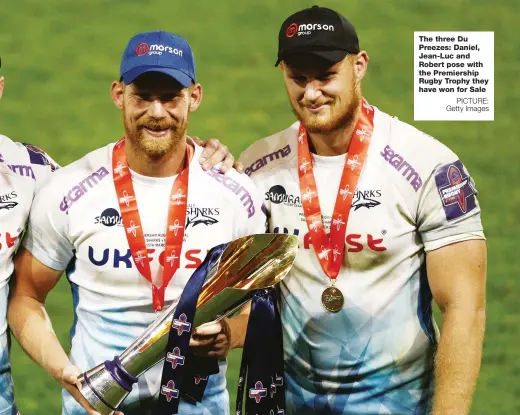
(317, 31)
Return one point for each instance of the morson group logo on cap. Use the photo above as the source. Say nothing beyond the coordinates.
(143, 48)
(307, 28)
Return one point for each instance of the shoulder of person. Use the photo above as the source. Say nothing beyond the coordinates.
(402, 144)
(271, 151)
(12, 152)
(90, 168)
(26, 159)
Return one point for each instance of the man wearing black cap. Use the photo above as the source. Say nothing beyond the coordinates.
(22, 168)
(114, 221)
(388, 220)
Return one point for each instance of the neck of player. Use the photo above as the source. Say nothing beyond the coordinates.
(169, 164)
(333, 143)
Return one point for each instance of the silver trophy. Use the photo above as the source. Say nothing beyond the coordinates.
(246, 265)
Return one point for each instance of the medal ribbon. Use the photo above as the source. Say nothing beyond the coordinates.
(134, 229)
(185, 375)
(262, 369)
(330, 248)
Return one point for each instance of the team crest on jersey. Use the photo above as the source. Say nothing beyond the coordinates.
(201, 216)
(454, 186)
(7, 200)
(366, 199)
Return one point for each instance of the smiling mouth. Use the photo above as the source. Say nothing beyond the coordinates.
(315, 108)
(156, 132)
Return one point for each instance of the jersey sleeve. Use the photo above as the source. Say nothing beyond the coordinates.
(448, 209)
(42, 164)
(47, 230)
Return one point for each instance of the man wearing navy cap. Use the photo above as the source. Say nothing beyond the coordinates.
(124, 223)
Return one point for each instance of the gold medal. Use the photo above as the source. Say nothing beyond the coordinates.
(332, 299)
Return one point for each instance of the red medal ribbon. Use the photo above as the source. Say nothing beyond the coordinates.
(132, 221)
(330, 248)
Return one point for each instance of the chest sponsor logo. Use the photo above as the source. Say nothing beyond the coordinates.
(7, 240)
(109, 217)
(454, 187)
(277, 194)
(7, 200)
(201, 216)
(354, 242)
(122, 258)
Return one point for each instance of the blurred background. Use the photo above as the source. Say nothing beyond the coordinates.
(59, 58)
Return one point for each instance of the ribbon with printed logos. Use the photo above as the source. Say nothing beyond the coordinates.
(261, 370)
(132, 221)
(184, 374)
(334, 242)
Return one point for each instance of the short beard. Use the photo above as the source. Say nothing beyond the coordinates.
(336, 122)
(156, 148)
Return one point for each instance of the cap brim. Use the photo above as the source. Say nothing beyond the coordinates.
(179, 76)
(330, 56)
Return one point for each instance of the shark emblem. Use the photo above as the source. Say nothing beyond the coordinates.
(362, 201)
(8, 205)
(199, 218)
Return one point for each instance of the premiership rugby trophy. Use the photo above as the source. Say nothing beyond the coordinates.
(246, 265)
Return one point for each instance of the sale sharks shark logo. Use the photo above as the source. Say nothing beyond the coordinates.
(201, 216)
(7, 202)
(366, 199)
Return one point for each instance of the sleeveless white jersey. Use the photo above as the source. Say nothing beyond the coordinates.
(375, 356)
(76, 225)
(22, 168)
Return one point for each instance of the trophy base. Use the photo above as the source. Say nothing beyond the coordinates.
(106, 386)
(96, 402)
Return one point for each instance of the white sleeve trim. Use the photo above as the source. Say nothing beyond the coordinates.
(42, 256)
(448, 240)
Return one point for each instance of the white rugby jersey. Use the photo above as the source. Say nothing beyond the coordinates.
(375, 356)
(76, 225)
(22, 168)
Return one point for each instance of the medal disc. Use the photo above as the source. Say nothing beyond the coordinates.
(332, 299)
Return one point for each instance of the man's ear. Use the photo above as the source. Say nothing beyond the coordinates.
(117, 90)
(195, 92)
(360, 65)
(2, 83)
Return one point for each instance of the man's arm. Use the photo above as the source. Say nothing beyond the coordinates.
(457, 278)
(30, 323)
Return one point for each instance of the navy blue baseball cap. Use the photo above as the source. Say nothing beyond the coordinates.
(158, 51)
